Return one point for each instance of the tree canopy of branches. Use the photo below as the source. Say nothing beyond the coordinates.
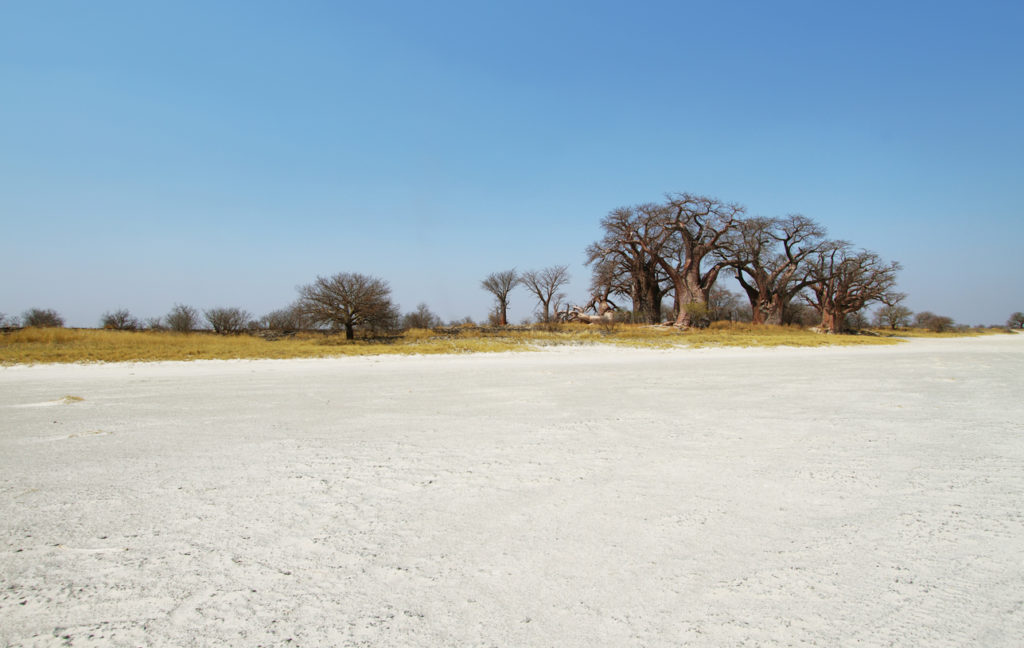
(182, 318)
(680, 235)
(500, 284)
(285, 320)
(348, 300)
(622, 266)
(1016, 320)
(767, 255)
(120, 320)
(42, 318)
(421, 318)
(932, 322)
(227, 320)
(842, 281)
(892, 313)
(545, 285)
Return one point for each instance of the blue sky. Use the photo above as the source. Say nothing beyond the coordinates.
(223, 153)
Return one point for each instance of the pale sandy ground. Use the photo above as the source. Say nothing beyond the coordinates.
(575, 497)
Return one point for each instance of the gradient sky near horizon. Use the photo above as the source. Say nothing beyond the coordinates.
(223, 153)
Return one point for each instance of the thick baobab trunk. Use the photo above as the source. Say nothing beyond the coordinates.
(349, 331)
(831, 321)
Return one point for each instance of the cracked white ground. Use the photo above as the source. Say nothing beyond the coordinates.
(573, 497)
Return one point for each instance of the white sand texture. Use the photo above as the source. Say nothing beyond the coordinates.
(865, 496)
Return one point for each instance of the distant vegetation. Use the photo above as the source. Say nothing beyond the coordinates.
(662, 263)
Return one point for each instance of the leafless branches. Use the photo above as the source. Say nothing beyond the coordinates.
(545, 285)
(348, 300)
(500, 284)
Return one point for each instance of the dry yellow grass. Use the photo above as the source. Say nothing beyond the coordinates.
(52, 345)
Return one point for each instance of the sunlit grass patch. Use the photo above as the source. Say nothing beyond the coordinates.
(92, 345)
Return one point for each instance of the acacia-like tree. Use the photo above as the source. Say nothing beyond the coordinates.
(348, 300)
(843, 281)
(120, 320)
(544, 284)
(766, 255)
(227, 320)
(42, 318)
(182, 318)
(500, 284)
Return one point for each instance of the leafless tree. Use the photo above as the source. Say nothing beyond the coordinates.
(348, 300)
(120, 320)
(892, 313)
(842, 281)
(545, 284)
(9, 322)
(155, 324)
(182, 318)
(622, 266)
(725, 305)
(42, 318)
(680, 235)
(1016, 320)
(421, 318)
(932, 322)
(500, 284)
(767, 255)
(227, 320)
(285, 320)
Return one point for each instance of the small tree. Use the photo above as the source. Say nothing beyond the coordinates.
(42, 318)
(892, 313)
(155, 324)
(545, 284)
(8, 322)
(421, 318)
(227, 320)
(500, 284)
(119, 320)
(182, 318)
(348, 300)
(285, 320)
(932, 322)
(1016, 320)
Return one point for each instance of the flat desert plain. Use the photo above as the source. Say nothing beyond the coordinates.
(866, 496)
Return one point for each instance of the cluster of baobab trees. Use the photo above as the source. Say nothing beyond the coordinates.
(680, 247)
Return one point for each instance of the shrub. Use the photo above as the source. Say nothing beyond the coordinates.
(227, 320)
(120, 320)
(182, 318)
(42, 318)
(932, 322)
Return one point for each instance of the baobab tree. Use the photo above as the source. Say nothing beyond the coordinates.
(842, 281)
(767, 255)
(622, 266)
(500, 284)
(680, 235)
(348, 300)
(545, 284)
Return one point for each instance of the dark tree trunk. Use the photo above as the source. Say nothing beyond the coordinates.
(349, 331)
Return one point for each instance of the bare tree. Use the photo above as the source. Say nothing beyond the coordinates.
(182, 318)
(622, 266)
(892, 313)
(1016, 320)
(155, 324)
(842, 281)
(421, 318)
(9, 322)
(767, 255)
(348, 300)
(227, 320)
(932, 322)
(42, 318)
(285, 320)
(680, 235)
(500, 284)
(545, 284)
(120, 320)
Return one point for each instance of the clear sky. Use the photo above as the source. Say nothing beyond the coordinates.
(223, 153)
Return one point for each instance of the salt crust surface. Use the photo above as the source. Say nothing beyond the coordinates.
(573, 497)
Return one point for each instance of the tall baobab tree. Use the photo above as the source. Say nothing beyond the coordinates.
(545, 285)
(500, 284)
(842, 281)
(767, 255)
